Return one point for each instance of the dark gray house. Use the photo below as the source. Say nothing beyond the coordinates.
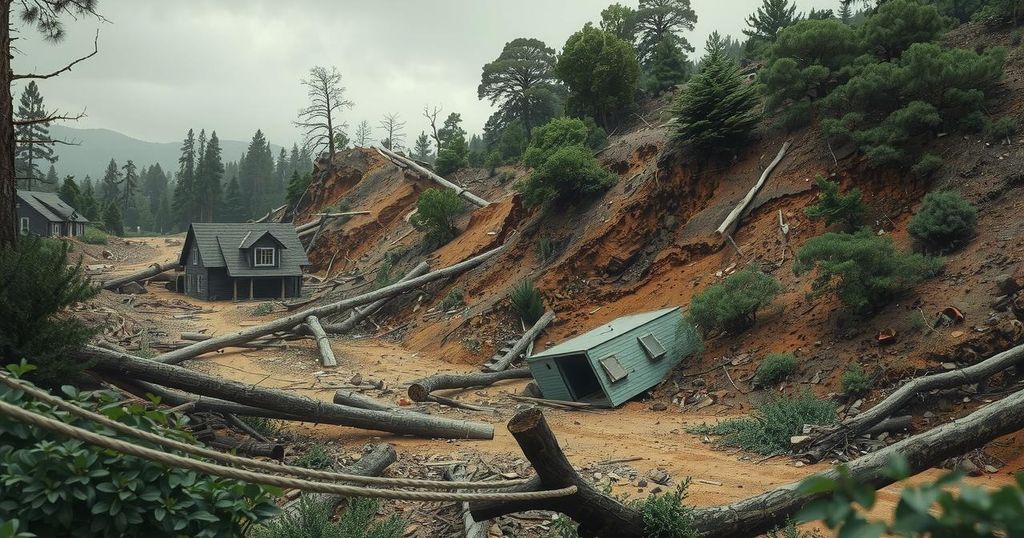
(44, 213)
(242, 261)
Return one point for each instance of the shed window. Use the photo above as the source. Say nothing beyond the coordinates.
(264, 257)
(613, 368)
(652, 346)
(24, 225)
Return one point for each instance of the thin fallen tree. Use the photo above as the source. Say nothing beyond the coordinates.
(409, 163)
(249, 446)
(522, 344)
(354, 399)
(421, 389)
(730, 221)
(148, 272)
(862, 422)
(322, 216)
(122, 365)
(600, 515)
(322, 342)
(360, 313)
(372, 463)
(269, 214)
(289, 323)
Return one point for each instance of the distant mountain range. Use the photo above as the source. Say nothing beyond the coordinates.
(97, 146)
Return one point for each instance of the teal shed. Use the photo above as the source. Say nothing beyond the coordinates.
(614, 362)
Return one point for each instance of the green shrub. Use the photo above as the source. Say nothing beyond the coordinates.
(855, 380)
(768, 431)
(313, 520)
(262, 309)
(806, 59)
(56, 486)
(492, 163)
(732, 304)
(944, 221)
(435, 215)
(315, 457)
(94, 236)
(454, 299)
(774, 368)
(267, 427)
(833, 207)
(927, 165)
(1017, 37)
(790, 530)
(799, 115)
(545, 249)
(665, 515)
(1003, 128)
(898, 24)
(570, 174)
(863, 269)
(552, 136)
(38, 287)
(527, 302)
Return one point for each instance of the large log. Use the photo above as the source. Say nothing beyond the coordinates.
(288, 323)
(249, 446)
(127, 366)
(355, 399)
(266, 217)
(148, 272)
(419, 390)
(409, 163)
(523, 343)
(322, 342)
(602, 516)
(896, 401)
(737, 212)
(360, 313)
(372, 463)
(199, 403)
(316, 222)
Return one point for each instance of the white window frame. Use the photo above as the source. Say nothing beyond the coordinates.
(26, 225)
(258, 251)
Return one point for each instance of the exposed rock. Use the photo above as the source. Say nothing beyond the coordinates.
(659, 476)
(1007, 284)
(133, 288)
(968, 467)
(658, 406)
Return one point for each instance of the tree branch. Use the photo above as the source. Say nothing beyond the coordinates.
(66, 68)
(55, 116)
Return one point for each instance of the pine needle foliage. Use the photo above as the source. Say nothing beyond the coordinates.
(768, 430)
(732, 304)
(833, 207)
(944, 222)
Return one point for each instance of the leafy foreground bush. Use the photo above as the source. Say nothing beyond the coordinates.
(944, 221)
(37, 288)
(55, 486)
(855, 380)
(732, 304)
(767, 432)
(527, 302)
(94, 236)
(863, 269)
(833, 207)
(774, 368)
(435, 215)
(314, 458)
(569, 175)
(313, 520)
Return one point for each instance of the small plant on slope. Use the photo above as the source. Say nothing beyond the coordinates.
(768, 431)
(527, 302)
(833, 207)
(944, 221)
(313, 520)
(315, 458)
(855, 380)
(774, 368)
(732, 304)
(435, 215)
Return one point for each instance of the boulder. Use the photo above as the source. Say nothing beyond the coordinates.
(133, 288)
(1008, 284)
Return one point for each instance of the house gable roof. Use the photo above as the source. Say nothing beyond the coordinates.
(220, 245)
(595, 337)
(50, 206)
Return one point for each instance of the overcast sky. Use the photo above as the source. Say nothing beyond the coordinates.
(235, 65)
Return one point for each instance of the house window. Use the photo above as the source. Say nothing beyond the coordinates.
(55, 229)
(24, 225)
(652, 346)
(613, 368)
(264, 257)
(195, 255)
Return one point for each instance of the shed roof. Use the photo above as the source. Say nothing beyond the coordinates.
(221, 245)
(604, 333)
(50, 206)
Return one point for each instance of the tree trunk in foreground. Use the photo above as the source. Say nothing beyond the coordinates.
(288, 323)
(419, 390)
(322, 342)
(360, 313)
(249, 446)
(754, 515)
(471, 528)
(409, 163)
(8, 179)
(124, 365)
(372, 463)
(523, 343)
(148, 272)
(737, 212)
(354, 399)
(862, 422)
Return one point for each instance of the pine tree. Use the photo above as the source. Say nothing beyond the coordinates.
(715, 112)
(154, 186)
(112, 219)
(31, 148)
(256, 173)
(421, 150)
(297, 186)
(668, 68)
(70, 194)
(281, 173)
(363, 134)
(184, 196)
(845, 11)
(293, 160)
(208, 187)
(131, 183)
(769, 19)
(50, 183)
(90, 208)
(164, 218)
(231, 209)
(110, 190)
(454, 154)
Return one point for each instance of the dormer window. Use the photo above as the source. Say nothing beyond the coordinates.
(263, 257)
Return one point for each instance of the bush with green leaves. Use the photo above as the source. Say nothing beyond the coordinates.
(898, 24)
(767, 432)
(1001, 12)
(732, 305)
(863, 269)
(94, 236)
(569, 175)
(435, 215)
(855, 380)
(315, 457)
(527, 302)
(38, 287)
(833, 207)
(774, 368)
(664, 514)
(560, 133)
(805, 62)
(1003, 129)
(312, 519)
(262, 309)
(57, 486)
(944, 221)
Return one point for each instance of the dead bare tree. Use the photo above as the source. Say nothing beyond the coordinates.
(319, 120)
(363, 134)
(394, 128)
(431, 114)
(46, 16)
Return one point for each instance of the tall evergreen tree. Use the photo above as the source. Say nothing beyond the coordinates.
(845, 11)
(454, 153)
(293, 160)
(70, 194)
(620, 21)
(51, 182)
(32, 141)
(657, 20)
(231, 208)
(769, 19)
(184, 197)
(110, 190)
(164, 219)
(90, 207)
(601, 72)
(281, 172)
(154, 185)
(421, 149)
(208, 187)
(522, 82)
(112, 219)
(668, 67)
(256, 173)
(130, 180)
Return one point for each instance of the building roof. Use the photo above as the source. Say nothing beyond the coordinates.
(225, 244)
(604, 333)
(50, 206)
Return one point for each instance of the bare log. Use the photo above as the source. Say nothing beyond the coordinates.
(471, 528)
(289, 322)
(240, 424)
(355, 399)
(249, 446)
(272, 339)
(409, 163)
(200, 403)
(896, 401)
(316, 234)
(322, 342)
(270, 213)
(148, 272)
(523, 343)
(894, 424)
(360, 313)
(419, 390)
(127, 366)
(373, 463)
(737, 212)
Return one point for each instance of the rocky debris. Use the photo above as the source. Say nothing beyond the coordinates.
(1008, 284)
(659, 476)
(133, 288)
(658, 406)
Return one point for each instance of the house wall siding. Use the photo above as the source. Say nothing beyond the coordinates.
(549, 379)
(38, 224)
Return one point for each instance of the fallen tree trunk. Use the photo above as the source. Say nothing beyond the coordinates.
(737, 212)
(360, 313)
(860, 423)
(602, 516)
(372, 463)
(322, 342)
(248, 446)
(316, 234)
(471, 528)
(200, 403)
(409, 163)
(302, 228)
(127, 366)
(419, 390)
(523, 343)
(355, 399)
(288, 323)
(266, 217)
(272, 339)
(148, 272)
(240, 424)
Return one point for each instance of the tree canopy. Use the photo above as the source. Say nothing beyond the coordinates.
(601, 72)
